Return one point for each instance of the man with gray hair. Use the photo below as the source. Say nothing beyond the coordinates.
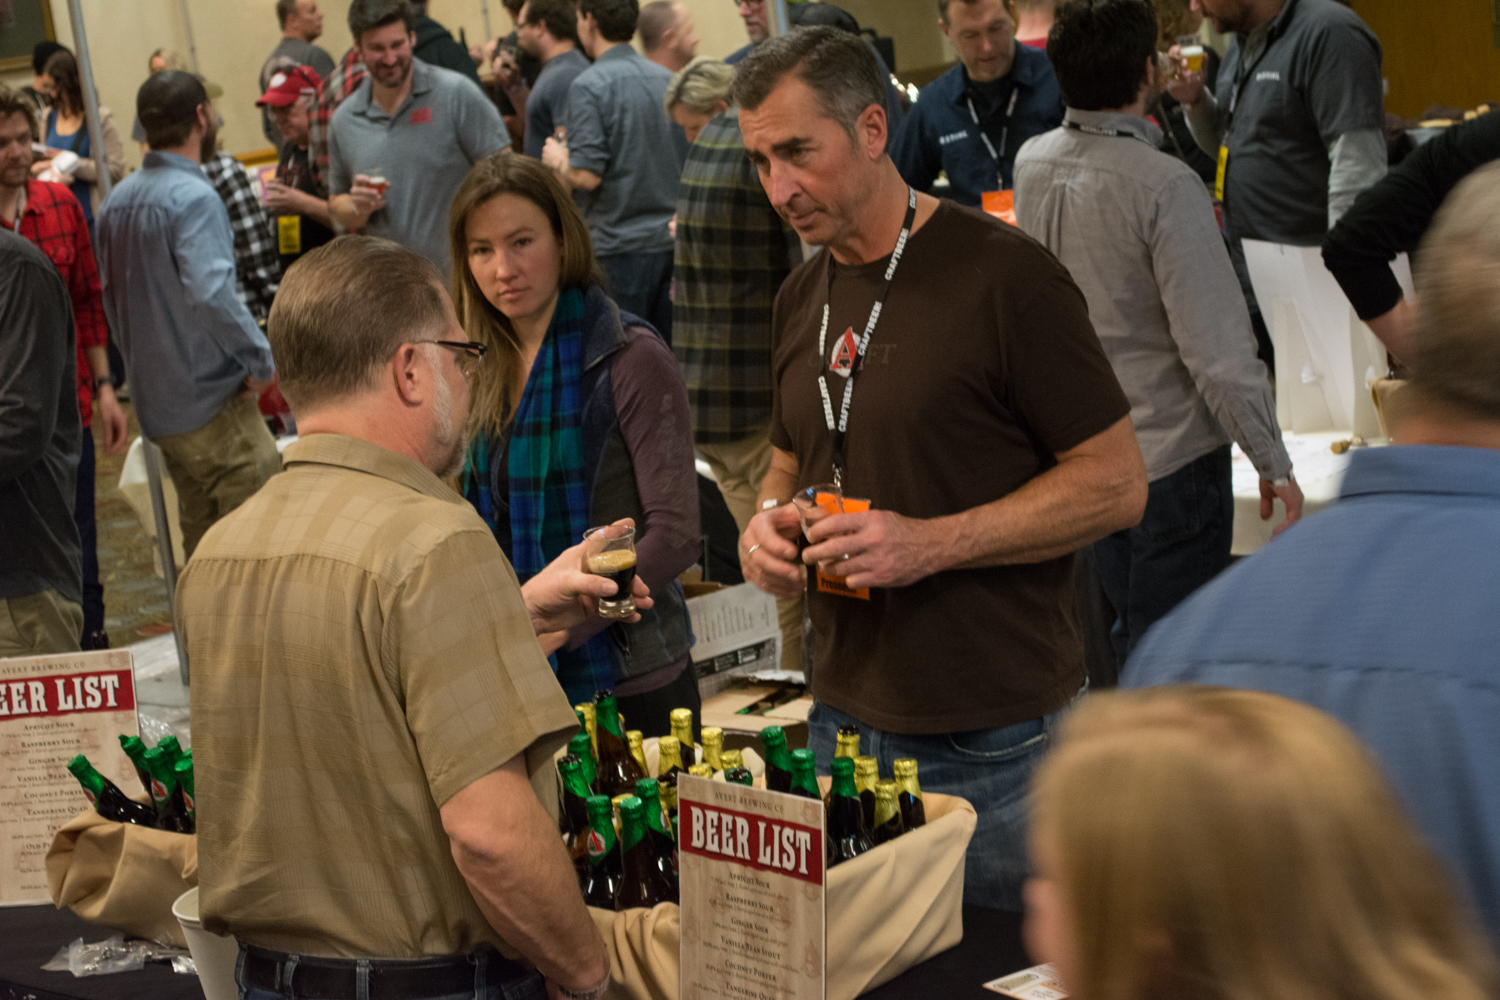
(399, 706)
(1383, 609)
(989, 441)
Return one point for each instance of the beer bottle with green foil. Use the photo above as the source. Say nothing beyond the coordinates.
(604, 861)
(805, 775)
(590, 723)
(636, 740)
(106, 798)
(682, 728)
(618, 771)
(888, 825)
(739, 776)
(659, 824)
(135, 749)
(580, 747)
(574, 820)
(848, 837)
(642, 882)
(185, 786)
(778, 760)
(866, 774)
(170, 812)
(913, 814)
(669, 758)
(172, 747)
(713, 746)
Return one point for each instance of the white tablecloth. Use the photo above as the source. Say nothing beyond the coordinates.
(1318, 471)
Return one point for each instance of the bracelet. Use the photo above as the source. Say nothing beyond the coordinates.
(591, 994)
(108, 380)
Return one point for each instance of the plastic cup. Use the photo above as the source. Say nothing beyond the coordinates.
(213, 954)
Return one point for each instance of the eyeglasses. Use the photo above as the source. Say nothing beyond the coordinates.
(470, 353)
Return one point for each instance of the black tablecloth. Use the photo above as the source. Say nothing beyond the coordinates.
(32, 934)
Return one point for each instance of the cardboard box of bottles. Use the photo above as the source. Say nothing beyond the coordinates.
(887, 910)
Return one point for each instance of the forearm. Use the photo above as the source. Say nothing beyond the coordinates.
(1203, 118)
(509, 853)
(315, 207)
(98, 359)
(583, 180)
(1078, 501)
(1357, 160)
(779, 484)
(346, 213)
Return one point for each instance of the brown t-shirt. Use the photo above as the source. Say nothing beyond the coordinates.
(983, 366)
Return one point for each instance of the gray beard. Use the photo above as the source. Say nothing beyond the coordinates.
(449, 429)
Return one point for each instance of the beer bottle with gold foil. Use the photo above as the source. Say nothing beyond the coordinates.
(713, 747)
(866, 774)
(106, 798)
(660, 826)
(731, 759)
(580, 747)
(668, 791)
(642, 882)
(888, 825)
(739, 776)
(618, 771)
(590, 724)
(682, 728)
(669, 759)
(848, 742)
(848, 837)
(701, 771)
(574, 821)
(637, 742)
(804, 775)
(604, 861)
(778, 761)
(913, 814)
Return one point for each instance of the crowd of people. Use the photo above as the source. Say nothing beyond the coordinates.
(504, 307)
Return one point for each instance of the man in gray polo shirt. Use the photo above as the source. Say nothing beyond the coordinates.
(1135, 229)
(1297, 124)
(415, 127)
(547, 30)
(624, 152)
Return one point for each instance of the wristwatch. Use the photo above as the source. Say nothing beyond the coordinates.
(108, 380)
(592, 994)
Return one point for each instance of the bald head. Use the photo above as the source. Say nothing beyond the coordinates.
(668, 35)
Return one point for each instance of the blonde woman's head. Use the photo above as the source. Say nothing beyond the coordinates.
(698, 92)
(1232, 845)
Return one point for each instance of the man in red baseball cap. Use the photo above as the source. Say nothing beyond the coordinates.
(295, 197)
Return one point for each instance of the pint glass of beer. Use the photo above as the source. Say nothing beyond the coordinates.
(610, 552)
(378, 179)
(1191, 50)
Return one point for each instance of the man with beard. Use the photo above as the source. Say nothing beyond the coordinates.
(399, 147)
(194, 356)
(1135, 228)
(757, 25)
(370, 695)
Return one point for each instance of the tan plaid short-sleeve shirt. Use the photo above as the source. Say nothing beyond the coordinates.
(360, 653)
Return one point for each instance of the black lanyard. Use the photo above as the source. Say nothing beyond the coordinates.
(1010, 109)
(1101, 130)
(836, 432)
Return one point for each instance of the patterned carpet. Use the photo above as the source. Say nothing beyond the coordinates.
(135, 598)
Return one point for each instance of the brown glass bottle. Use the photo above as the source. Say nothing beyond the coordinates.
(848, 742)
(603, 880)
(669, 759)
(636, 740)
(618, 771)
(642, 882)
(848, 837)
(888, 825)
(866, 774)
(682, 728)
(574, 821)
(106, 798)
(913, 814)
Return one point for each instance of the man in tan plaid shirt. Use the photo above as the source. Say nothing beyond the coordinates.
(370, 698)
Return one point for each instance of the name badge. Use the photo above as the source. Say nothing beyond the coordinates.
(1223, 169)
(1000, 204)
(289, 234)
(837, 584)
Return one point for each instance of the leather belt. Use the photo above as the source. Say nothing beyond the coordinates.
(389, 979)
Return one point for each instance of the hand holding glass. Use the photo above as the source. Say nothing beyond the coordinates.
(609, 551)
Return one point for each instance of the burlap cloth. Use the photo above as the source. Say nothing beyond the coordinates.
(122, 876)
(887, 910)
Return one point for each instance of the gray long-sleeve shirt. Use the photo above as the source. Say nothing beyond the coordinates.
(1136, 229)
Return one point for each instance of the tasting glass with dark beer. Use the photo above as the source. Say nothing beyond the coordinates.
(610, 552)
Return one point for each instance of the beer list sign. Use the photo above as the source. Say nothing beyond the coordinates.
(752, 879)
(53, 708)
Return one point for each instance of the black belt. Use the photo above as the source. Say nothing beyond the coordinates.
(389, 979)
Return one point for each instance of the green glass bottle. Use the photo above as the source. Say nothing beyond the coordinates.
(171, 746)
(778, 760)
(604, 861)
(106, 798)
(888, 824)
(804, 775)
(135, 749)
(739, 776)
(848, 837)
(618, 772)
(642, 882)
(170, 811)
(185, 788)
(580, 747)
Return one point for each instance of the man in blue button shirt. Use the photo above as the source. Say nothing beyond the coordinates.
(971, 121)
(1384, 610)
(194, 356)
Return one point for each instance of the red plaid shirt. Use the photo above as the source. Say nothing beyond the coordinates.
(333, 91)
(54, 221)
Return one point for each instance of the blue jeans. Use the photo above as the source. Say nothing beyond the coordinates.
(1181, 543)
(642, 283)
(527, 987)
(991, 768)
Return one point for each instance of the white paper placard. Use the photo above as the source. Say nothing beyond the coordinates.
(737, 633)
(1039, 982)
(752, 889)
(53, 708)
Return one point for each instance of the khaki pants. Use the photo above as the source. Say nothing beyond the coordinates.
(219, 466)
(39, 624)
(739, 468)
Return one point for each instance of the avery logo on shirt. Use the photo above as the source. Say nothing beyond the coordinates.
(421, 116)
(953, 137)
(1268, 74)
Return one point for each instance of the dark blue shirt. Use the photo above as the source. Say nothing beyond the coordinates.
(1383, 610)
(940, 135)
